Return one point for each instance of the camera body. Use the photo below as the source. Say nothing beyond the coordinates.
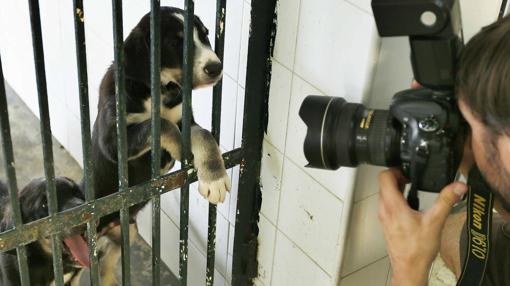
(432, 136)
(423, 131)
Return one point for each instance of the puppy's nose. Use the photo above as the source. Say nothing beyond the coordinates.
(213, 69)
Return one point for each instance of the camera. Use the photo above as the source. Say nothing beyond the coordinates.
(423, 131)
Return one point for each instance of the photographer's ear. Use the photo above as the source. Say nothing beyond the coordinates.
(448, 197)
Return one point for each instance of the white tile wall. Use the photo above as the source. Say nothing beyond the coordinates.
(271, 181)
(310, 216)
(279, 97)
(365, 242)
(375, 274)
(293, 267)
(285, 45)
(267, 240)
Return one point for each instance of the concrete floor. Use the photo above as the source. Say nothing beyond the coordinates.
(29, 164)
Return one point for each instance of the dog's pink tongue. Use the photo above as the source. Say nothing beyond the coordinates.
(79, 249)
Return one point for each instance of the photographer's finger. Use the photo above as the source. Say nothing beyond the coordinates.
(448, 197)
(415, 84)
(389, 188)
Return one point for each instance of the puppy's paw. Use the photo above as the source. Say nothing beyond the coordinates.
(215, 190)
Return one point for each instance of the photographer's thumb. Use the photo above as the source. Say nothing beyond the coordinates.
(448, 197)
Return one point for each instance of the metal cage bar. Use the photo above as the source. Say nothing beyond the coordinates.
(120, 98)
(81, 60)
(156, 144)
(45, 227)
(5, 140)
(219, 46)
(44, 115)
(189, 8)
(258, 78)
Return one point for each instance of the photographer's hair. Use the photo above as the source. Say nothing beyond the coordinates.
(483, 78)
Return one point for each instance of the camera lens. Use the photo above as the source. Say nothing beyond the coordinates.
(348, 134)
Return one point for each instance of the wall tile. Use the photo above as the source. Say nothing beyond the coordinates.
(364, 5)
(228, 113)
(224, 208)
(99, 13)
(202, 107)
(265, 257)
(388, 280)
(366, 183)
(293, 267)
(285, 44)
(375, 275)
(243, 54)
(279, 98)
(270, 179)
(309, 212)
(233, 195)
(239, 117)
(74, 145)
(234, 22)
(365, 242)
(170, 254)
(347, 54)
(230, 252)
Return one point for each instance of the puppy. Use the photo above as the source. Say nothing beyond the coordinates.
(34, 206)
(212, 176)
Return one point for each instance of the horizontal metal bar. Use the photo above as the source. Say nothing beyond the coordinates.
(106, 205)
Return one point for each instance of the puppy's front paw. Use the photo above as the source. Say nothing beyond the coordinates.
(214, 190)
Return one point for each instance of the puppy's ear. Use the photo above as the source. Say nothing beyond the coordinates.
(136, 56)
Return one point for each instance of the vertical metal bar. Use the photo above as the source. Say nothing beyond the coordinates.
(81, 60)
(49, 170)
(6, 142)
(186, 136)
(120, 97)
(219, 45)
(156, 144)
(258, 77)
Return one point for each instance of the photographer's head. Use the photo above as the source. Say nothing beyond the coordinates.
(483, 90)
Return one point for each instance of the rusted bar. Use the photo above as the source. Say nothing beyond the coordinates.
(103, 206)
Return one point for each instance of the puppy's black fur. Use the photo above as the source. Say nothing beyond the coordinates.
(137, 71)
(33, 205)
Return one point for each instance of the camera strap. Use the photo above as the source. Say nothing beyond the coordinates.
(479, 225)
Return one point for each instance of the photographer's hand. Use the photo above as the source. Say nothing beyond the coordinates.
(412, 237)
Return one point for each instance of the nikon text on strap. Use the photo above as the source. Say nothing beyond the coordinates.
(479, 225)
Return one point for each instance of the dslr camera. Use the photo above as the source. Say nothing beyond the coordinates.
(423, 131)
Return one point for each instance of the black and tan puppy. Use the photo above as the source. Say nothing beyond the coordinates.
(212, 176)
(34, 206)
